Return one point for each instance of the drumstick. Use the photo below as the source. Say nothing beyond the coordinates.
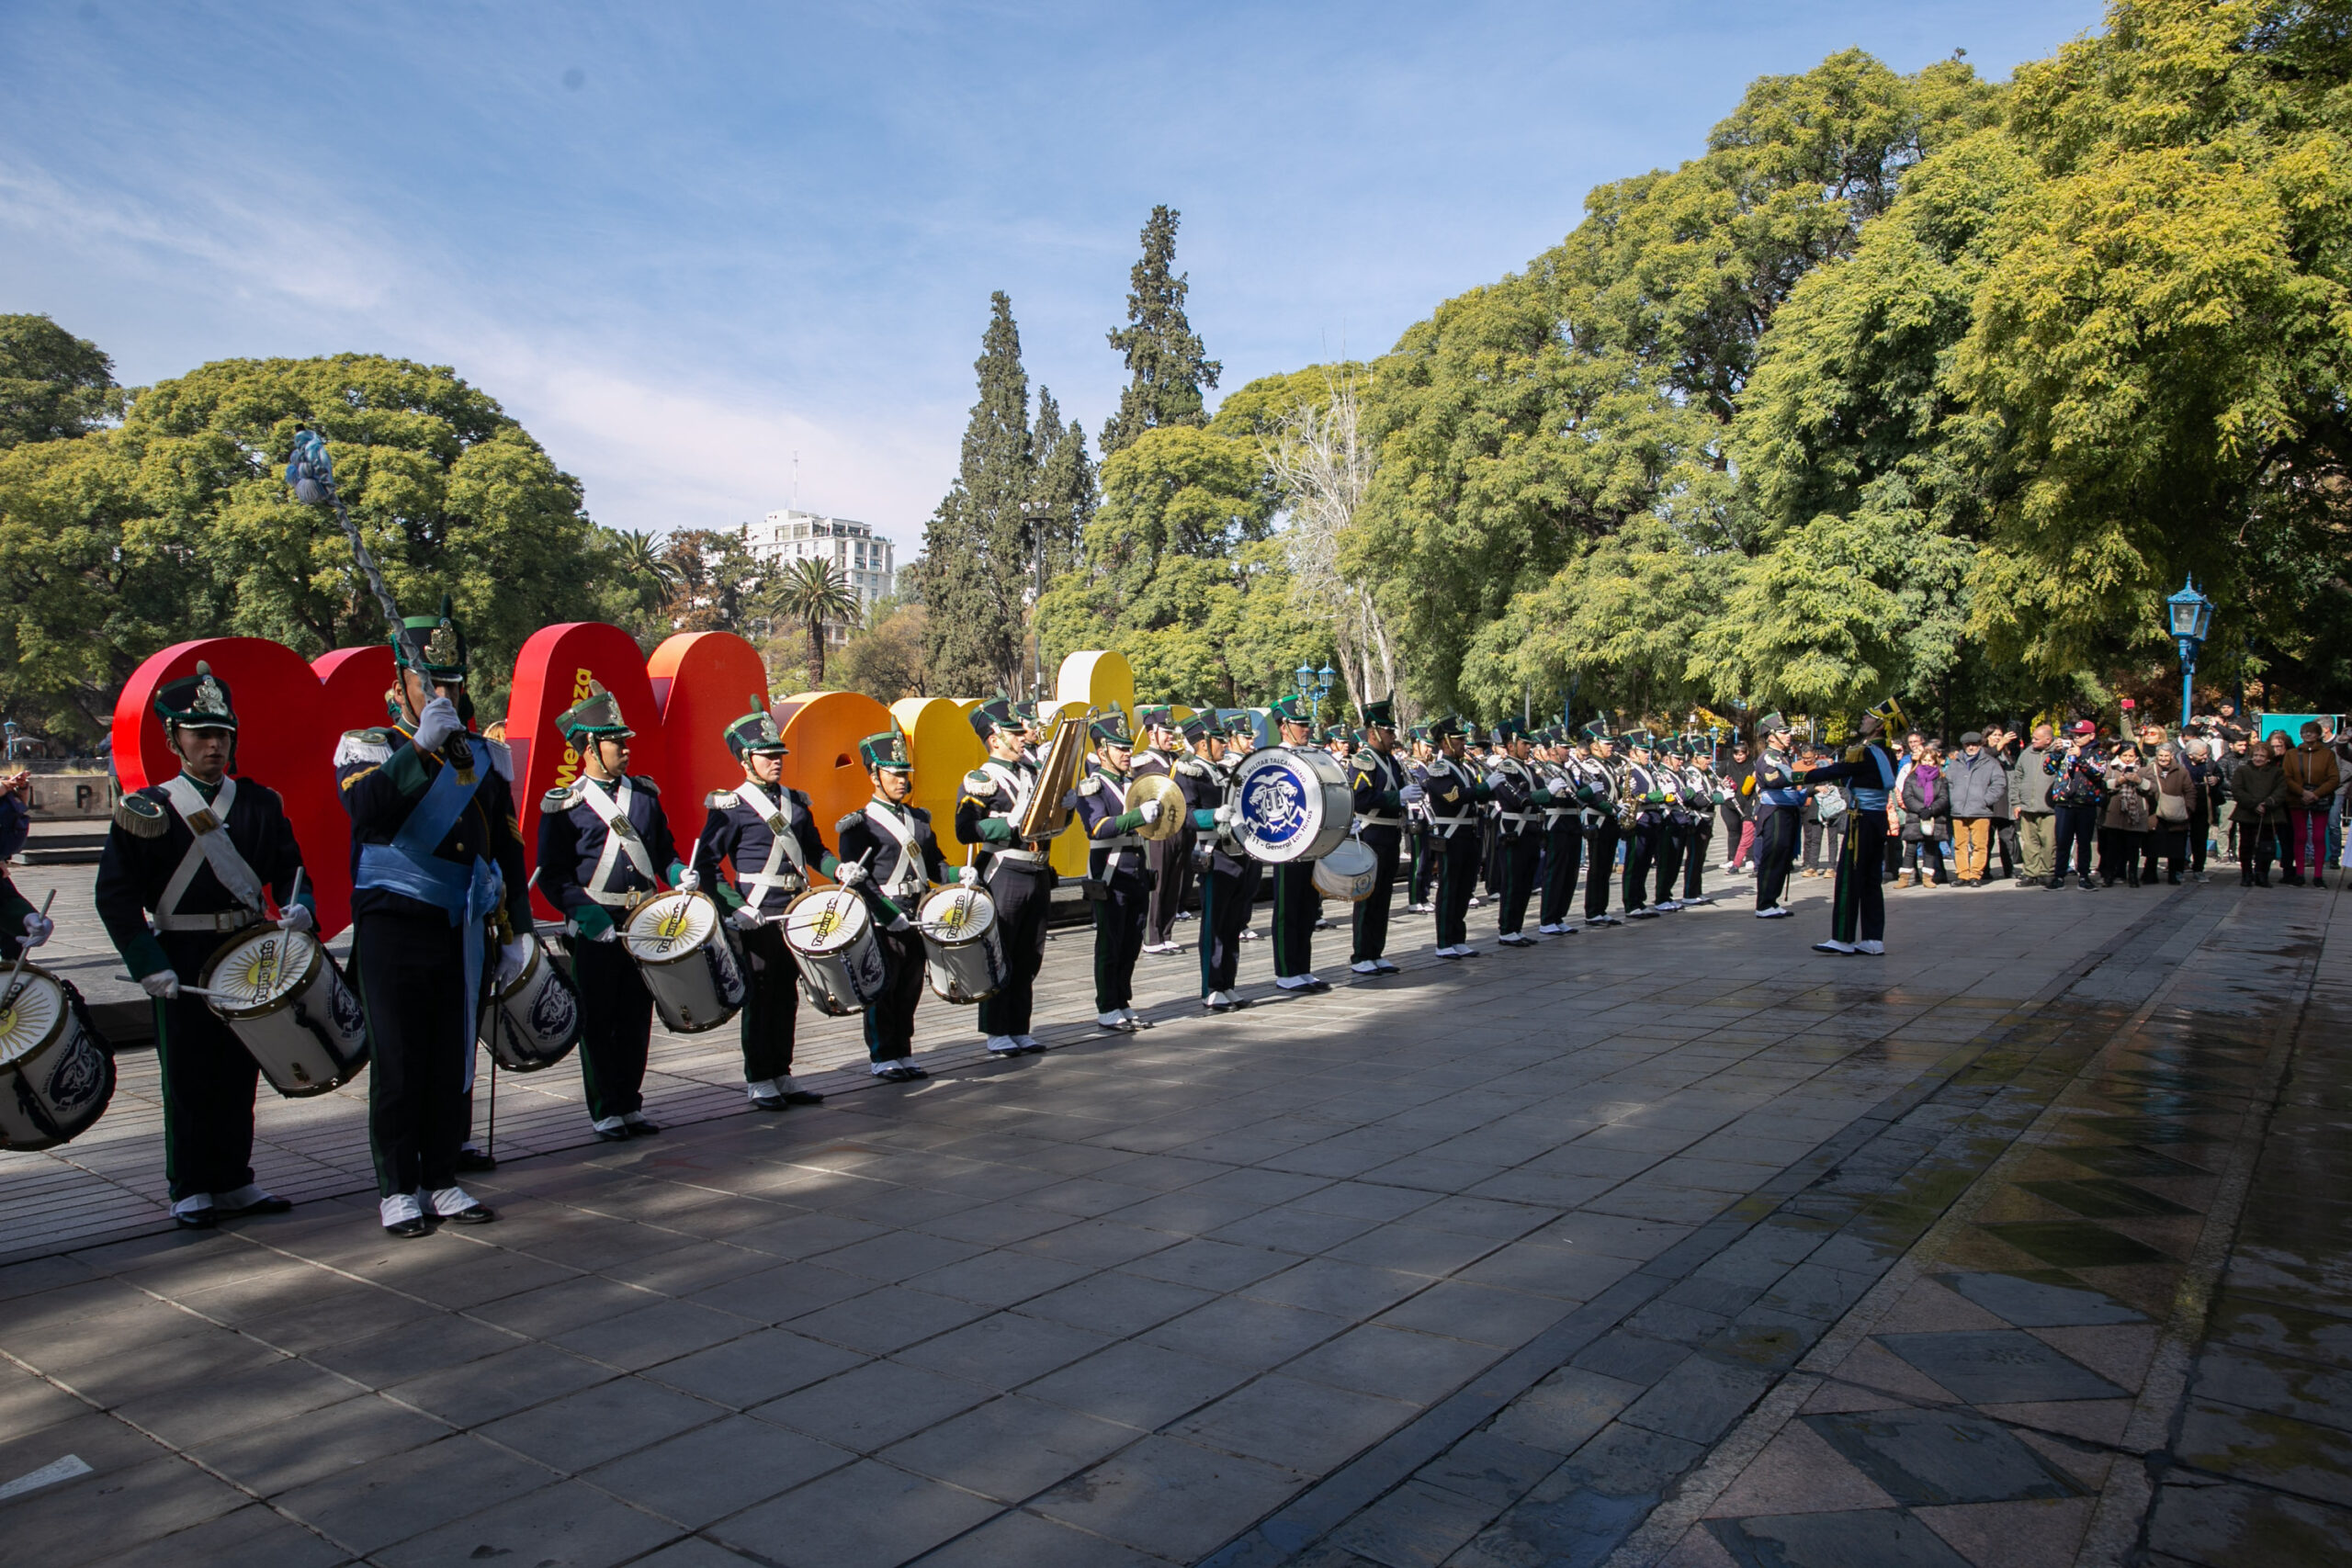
(293, 897)
(23, 952)
(191, 990)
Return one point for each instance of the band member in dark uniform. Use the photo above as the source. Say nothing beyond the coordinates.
(436, 863)
(1420, 884)
(1563, 838)
(1700, 798)
(605, 847)
(21, 926)
(1114, 863)
(1378, 784)
(1858, 903)
(891, 857)
(1297, 904)
(1779, 806)
(1454, 789)
(762, 830)
(1596, 771)
(1230, 882)
(1520, 799)
(199, 851)
(1018, 873)
(1640, 788)
(1170, 859)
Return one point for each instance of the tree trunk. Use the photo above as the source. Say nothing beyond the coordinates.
(815, 655)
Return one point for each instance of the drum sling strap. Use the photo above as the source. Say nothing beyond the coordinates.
(409, 866)
(1446, 825)
(1391, 779)
(1022, 786)
(208, 821)
(910, 880)
(782, 847)
(621, 836)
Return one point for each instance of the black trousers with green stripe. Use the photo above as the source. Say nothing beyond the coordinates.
(1118, 938)
(1857, 907)
(1372, 912)
(1229, 894)
(616, 1026)
(1295, 906)
(1516, 858)
(209, 1083)
(411, 973)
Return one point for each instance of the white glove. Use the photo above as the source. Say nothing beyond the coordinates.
(746, 919)
(969, 877)
(900, 923)
(1412, 794)
(162, 985)
(690, 881)
(851, 873)
(1148, 811)
(513, 958)
(437, 724)
(296, 918)
(1227, 814)
(610, 933)
(37, 927)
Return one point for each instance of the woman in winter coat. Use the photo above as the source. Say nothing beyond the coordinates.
(2179, 812)
(2123, 824)
(2258, 787)
(1926, 801)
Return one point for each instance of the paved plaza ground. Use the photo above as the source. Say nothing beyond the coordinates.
(1677, 1244)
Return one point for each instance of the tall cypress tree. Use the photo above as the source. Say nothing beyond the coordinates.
(976, 547)
(1167, 365)
(1065, 492)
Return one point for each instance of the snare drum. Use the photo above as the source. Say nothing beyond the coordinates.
(684, 956)
(533, 1020)
(56, 1070)
(1347, 872)
(280, 993)
(1295, 805)
(830, 935)
(962, 944)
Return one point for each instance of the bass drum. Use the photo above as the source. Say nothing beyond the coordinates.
(831, 939)
(683, 954)
(280, 993)
(1347, 872)
(56, 1069)
(533, 1020)
(963, 944)
(1295, 805)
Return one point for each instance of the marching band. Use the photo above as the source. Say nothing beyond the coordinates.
(200, 890)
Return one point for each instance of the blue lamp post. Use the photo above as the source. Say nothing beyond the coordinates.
(1314, 685)
(2190, 616)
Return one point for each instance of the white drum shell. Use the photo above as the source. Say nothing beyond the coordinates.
(68, 1073)
(963, 944)
(1349, 872)
(534, 1021)
(1295, 805)
(695, 978)
(309, 1038)
(843, 970)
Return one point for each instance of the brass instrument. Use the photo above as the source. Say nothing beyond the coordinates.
(1173, 809)
(1044, 817)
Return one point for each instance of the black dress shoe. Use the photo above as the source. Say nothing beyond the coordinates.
(767, 1102)
(196, 1220)
(273, 1204)
(1317, 987)
(409, 1228)
(1218, 1007)
(640, 1129)
(612, 1134)
(474, 1215)
(803, 1097)
(474, 1159)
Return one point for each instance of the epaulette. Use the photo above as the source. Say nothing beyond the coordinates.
(843, 825)
(1089, 785)
(645, 783)
(1192, 767)
(363, 746)
(501, 759)
(981, 782)
(721, 800)
(141, 816)
(558, 799)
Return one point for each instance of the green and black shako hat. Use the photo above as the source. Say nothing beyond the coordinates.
(443, 643)
(1110, 729)
(992, 715)
(888, 750)
(755, 734)
(195, 701)
(597, 716)
(1381, 715)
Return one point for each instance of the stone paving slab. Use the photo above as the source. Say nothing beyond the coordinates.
(1360, 1277)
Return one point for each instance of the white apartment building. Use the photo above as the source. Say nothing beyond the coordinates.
(866, 560)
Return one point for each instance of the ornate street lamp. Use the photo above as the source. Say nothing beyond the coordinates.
(1314, 685)
(2189, 616)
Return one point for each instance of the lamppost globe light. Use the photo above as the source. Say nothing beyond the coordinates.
(2188, 615)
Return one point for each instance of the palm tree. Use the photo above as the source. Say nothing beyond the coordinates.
(813, 591)
(641, 556)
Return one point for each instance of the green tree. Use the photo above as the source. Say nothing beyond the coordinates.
(811, 592)
(977, 567)
(638, 557)
(1167, 367)
(715, 581)
(53, 386)
(886, 660)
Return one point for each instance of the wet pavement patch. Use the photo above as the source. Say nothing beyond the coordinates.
(2073, 1245)
(1870, 1538)
(1923, 1457)
(1999, 1366)
(2129, 1160)
(2105, 1200)
(2047, 1302)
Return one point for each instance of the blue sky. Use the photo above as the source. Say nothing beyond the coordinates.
(683, 241)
